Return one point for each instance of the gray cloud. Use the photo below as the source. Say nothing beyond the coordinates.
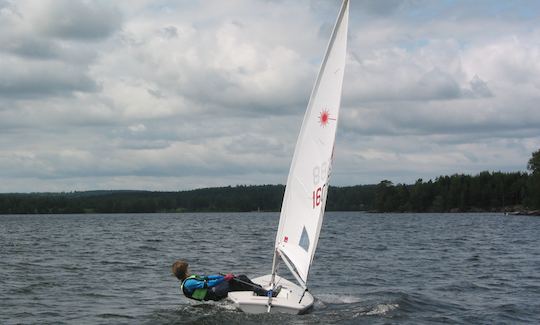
(31, 47)
(479, 87)
(31, 79)
(436, 84)
(176, 95)
(79, 20)
(39, 54)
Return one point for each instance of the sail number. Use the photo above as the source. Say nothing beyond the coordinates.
(320, 174)
(317, 195)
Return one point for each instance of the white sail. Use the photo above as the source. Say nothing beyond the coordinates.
(305, 195)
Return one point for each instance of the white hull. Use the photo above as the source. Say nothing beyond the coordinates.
(288, 300)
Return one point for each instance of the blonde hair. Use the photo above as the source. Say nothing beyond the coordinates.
(179, 269)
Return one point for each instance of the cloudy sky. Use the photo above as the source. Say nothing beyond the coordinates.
(171, 95)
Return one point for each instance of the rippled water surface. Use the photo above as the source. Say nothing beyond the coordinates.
(368, 269)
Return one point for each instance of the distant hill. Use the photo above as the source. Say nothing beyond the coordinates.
(223, 199)
(487, 191)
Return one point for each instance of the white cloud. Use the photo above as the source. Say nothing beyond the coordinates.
(171, 95)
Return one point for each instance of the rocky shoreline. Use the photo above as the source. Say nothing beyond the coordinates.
(524, 213)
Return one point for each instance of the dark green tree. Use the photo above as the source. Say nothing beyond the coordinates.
(534, 162)
(533, 200)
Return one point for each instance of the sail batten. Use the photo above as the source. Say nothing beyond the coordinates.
(304, 201)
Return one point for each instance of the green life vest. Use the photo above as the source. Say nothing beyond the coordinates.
(197, 294)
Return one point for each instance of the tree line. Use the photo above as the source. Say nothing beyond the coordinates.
(487, 191)
(220, 199)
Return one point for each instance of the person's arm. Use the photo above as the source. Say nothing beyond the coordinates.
(214, 277)
(214, 280)
(192, 284)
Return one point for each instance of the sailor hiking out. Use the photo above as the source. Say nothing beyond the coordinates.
(214, 287)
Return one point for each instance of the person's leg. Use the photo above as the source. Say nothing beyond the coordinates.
(244, 278)
(243, 283)
(218, 292)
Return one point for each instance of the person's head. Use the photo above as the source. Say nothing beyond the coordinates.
(180, 270)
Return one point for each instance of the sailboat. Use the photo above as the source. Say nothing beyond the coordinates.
(307, 186)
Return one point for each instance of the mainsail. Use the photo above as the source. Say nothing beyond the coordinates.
(307, 185)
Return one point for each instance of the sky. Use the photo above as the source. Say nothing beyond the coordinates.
(176, 95)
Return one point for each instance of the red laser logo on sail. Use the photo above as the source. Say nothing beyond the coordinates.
(324, 117)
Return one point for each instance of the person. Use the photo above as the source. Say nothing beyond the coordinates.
(214, 287)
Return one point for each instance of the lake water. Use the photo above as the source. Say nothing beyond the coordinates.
(368, 269)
